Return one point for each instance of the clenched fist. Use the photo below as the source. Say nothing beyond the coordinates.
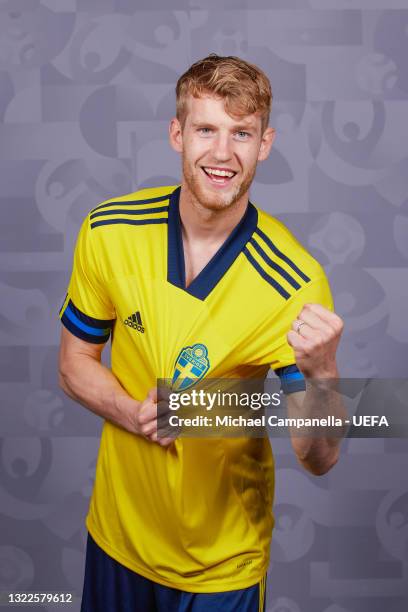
(314, 337)
(147, 423)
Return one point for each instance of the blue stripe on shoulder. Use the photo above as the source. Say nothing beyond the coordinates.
(162, 198)
(265, 275)
(274, 265)
(130, 222)
(137, 211)
(282, 256)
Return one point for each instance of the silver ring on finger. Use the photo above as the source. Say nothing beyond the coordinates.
(299, 325)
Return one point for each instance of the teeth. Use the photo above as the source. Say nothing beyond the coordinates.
(219, 172)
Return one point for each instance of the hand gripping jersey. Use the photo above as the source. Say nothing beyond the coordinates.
(197, 515)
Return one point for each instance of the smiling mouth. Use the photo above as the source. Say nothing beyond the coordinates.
(218, 176)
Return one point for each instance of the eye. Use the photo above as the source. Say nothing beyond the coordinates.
(204, 130)
(243, 135)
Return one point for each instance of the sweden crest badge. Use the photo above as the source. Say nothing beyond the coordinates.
(191, 365)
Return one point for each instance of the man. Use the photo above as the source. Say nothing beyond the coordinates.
(194, 270)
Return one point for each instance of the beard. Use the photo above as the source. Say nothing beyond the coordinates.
(215, 201)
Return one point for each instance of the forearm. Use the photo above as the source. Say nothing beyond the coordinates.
(93, 385)
(318, 450)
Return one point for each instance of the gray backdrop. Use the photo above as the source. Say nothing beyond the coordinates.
(86, 92)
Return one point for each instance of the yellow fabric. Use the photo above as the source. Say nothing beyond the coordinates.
(198, 515)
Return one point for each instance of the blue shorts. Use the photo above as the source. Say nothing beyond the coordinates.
(111, 587)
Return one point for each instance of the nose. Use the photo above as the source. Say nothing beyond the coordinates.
(222, 147)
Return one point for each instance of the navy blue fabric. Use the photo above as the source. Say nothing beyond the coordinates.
(111, 587)
(284, 257)
(88, 320)
(219, 264)
(265, 275)
(272, 264)
(291, 378)
(124, 211)
(162, 198)
(176, 274)
(152, 221)
(85, 327)
(79, 333)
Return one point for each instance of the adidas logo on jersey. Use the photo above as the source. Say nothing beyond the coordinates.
(135, 321)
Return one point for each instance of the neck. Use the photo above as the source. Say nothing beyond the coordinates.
(203, 225)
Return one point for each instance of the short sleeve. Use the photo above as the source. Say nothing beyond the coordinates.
(282, 358)
(87, 311)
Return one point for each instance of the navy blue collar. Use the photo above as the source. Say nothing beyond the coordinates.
(218, 265)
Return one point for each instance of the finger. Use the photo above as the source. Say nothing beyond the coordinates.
(163, 393)
(331, 318)
(167, 433)
(163, 407)
(163, 423)
(314, 321)
(165, 441)
(298, 326)
(303, 330)
(160, 440)
(148, 429)
(148, 412)
(165, 430)
(296, 341)
(153, 394)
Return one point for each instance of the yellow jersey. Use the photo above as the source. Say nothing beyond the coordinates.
(197, 515)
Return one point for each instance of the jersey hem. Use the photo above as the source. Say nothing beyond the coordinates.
(189, 587)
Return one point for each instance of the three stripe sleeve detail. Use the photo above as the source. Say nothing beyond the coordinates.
(282, 256)
(266, 276)
(153, 221)
(104, 217)
(124, 211)
(162, 198)
(294, 277)
(274, 265)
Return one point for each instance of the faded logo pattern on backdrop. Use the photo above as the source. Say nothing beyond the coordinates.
(86, 93)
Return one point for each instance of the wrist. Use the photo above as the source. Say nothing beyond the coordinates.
(127, 408)
(329, 371)
(324, 379)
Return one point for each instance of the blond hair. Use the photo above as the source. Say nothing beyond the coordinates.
(244, 87)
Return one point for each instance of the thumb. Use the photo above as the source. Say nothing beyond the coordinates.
(153, 394)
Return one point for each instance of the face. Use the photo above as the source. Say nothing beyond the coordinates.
(219, 152)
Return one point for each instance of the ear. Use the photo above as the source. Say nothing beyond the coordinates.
(266, 143)
(175, 135)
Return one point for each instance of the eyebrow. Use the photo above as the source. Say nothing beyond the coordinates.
(236, 127)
